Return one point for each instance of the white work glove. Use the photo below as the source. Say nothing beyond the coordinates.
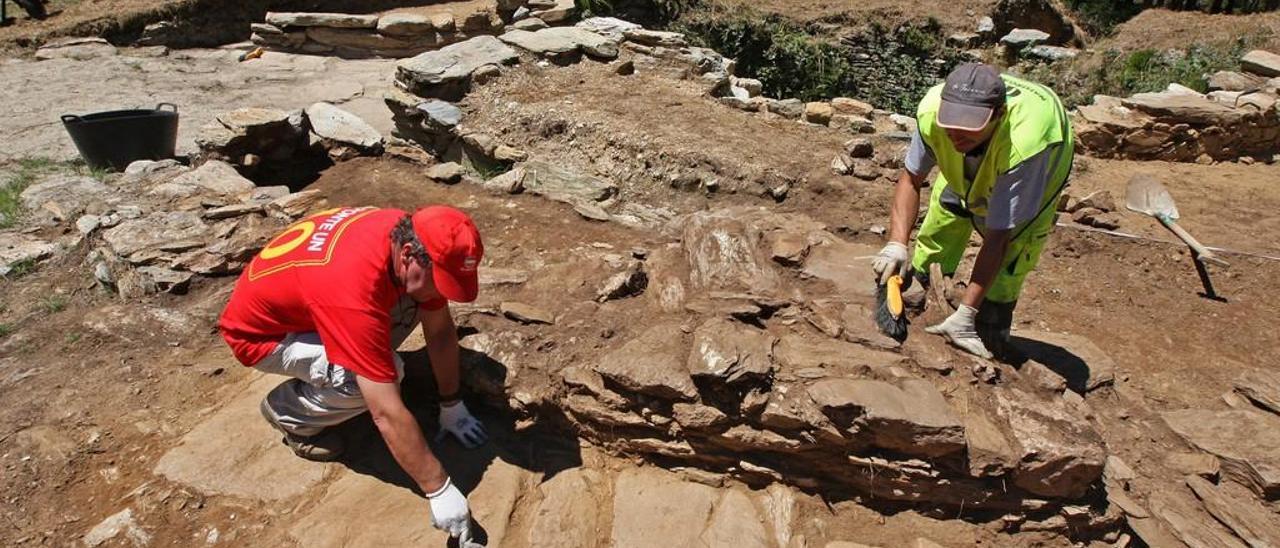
(449, 511)
(893, 259)
(457, 420)
(959, 329)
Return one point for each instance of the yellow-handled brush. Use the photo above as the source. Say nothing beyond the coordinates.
(890, 317)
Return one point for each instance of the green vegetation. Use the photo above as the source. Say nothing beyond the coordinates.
(13, 183)
(53, 304)
(1101, 17)
(645, 12)
(891, 68)
(1124, 74)
(6, 330)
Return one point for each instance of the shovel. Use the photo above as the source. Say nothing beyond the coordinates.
(1147, 196)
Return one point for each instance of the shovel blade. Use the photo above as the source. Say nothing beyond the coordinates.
(1147, 196)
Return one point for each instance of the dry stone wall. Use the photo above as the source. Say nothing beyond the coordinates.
(1239, 120)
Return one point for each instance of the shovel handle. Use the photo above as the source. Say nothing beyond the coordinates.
(1200, 251)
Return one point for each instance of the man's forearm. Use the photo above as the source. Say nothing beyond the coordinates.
(444, 354)
(986, 267)
(906, 204)
(404, 437)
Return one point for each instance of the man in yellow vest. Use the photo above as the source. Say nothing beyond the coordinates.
(1003, 148)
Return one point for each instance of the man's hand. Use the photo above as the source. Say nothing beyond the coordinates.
(449, 511)
(457, 420)
(894, 259)
(959, 329)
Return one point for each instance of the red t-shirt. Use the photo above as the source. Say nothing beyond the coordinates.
(329, 273)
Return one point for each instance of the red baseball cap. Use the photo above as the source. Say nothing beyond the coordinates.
(455, 249)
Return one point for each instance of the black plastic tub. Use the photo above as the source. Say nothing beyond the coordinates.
(114, 139)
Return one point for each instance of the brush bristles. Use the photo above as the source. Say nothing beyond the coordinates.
(893, 327)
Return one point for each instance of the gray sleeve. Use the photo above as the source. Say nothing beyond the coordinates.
(1018, 193)
(920, 160)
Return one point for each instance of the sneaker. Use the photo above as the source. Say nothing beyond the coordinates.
(323, 447)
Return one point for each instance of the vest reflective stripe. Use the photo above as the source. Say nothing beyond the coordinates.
(1034, 120)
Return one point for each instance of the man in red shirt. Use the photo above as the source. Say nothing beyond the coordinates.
(328, 301)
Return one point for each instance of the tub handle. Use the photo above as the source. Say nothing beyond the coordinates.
(69, 118)
(170, 105)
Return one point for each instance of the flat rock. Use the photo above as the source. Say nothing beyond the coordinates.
(79, 49)
(448, 173)
(446, 73)
(609, 27)
(656, 38)
(839, 358)
(331, 20)
(628, 283)
(559, 184)
(405, 24)
(1182, 107)
(296, 205)
(562, 11)
(235, 452)
(736, 522)
(531, 24)
(1244, 516)
(1059, 455)
(1260, 62)
(440, 114)
(161, 230)
(1188, 523)
(334, 124)
(847, 266)
(216, 178)
(121, 522)
(653, 363)
(1022, 38)
(527, 314)
(852, 107)
(568, 515)
(726, 351)
(1052, 53)
(1262, 387)
(1194, 464)
(656, 509)
(914, 419)
(365, 42)
(1255, 464)
(557, 42)
(1227, 80)
(695, 416)
(64, 196)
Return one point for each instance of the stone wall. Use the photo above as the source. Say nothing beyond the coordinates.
(387, 35)
(1239, 120)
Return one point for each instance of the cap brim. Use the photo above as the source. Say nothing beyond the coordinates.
(459, 288)
(963, 117)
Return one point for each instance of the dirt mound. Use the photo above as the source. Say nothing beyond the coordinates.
(1163, 29)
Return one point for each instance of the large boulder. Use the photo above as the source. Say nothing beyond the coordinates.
(214, 178)
(653, 363)
(1226, 80)
(405, 25)
(446, 73)
(609, 27)
(1060, 456)
(914, 419)
(64, 197)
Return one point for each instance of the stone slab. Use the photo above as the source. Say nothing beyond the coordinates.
(235, 452)
(1255, 464)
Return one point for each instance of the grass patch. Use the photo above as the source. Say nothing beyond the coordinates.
(486, 170)
(6, 330)
(72, 337)
(53, 304)
(21, 268)
(1124, 74)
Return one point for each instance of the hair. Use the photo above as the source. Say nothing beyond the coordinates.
(403, 234)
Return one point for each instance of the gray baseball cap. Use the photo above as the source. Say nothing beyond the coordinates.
(971, 94)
